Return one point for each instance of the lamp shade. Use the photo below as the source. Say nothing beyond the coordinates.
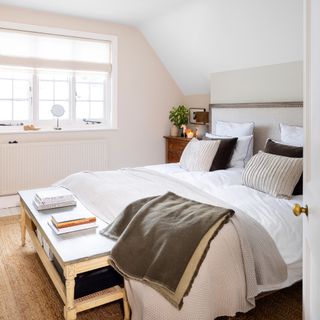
(202, 117)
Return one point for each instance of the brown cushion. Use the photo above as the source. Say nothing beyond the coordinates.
(224, 153)
(286, 151)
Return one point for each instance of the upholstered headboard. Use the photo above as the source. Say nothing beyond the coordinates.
(267, 116)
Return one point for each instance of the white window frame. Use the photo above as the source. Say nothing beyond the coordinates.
(106, 109)
(30, 107)
(111, 122)
(36, 102)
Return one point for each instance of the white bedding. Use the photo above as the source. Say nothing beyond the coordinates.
(107, 193)
(275, 215)
(206, 179)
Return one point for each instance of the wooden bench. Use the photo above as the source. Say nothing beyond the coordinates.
(76, 253)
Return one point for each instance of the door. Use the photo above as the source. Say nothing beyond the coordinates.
(311, 224)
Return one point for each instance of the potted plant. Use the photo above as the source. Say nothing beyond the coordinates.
(178, 116)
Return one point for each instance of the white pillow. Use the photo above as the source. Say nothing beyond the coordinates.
(198, 155)
(242, 153)
(292, 135)
(234, 129)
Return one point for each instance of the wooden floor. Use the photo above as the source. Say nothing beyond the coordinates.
(26, 292)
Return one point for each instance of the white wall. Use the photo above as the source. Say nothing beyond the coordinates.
(201, 37)
(273, 83)
(146, 91)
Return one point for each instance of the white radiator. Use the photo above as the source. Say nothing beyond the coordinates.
(39, 164)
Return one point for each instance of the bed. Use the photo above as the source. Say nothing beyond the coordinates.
(220, 287)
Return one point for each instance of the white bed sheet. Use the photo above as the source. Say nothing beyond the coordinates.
(107, 193)
(274, 214)
(220, 177)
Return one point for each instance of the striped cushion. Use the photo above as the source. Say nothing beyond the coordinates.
(198, 155)
(273, 174)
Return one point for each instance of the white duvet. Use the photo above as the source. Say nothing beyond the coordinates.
(219, 288)
(274, 214)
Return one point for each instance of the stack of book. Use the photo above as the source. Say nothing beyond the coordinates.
(54, 198)
(71, 221)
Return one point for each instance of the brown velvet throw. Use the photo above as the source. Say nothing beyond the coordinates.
(162, 241)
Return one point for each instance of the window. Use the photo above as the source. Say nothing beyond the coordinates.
(54, 88)
(15, 96)
(90, 97)
(38, 70)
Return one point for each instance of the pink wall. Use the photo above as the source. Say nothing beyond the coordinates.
(146, 91)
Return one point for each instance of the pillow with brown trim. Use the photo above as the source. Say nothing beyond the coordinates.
(285, 150)
(224, 153)
(242, 152)
(198, 155)
(272, 174)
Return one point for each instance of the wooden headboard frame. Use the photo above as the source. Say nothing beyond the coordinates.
(266, 115)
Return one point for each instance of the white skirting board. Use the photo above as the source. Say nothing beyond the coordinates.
(9, 212)
(9, 205)
(9, 201)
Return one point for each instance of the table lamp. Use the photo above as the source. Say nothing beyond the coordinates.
(202, 119)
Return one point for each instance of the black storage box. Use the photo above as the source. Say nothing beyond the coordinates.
(92, 281)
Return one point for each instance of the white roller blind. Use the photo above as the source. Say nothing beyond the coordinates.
(31, 49)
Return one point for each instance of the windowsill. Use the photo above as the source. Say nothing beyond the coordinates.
(19, 130)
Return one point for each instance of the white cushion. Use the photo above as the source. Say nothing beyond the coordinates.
(242, 152)
(198, 155)
(234, 129)
(272, 174)
(292, 135)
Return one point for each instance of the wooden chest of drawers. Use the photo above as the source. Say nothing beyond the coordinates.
(174, 148)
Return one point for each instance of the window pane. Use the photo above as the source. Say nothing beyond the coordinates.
(21, 89)
(61, 90)
(82, 91)
(5, 89)
(82, 110)
(46, 90)
(21, 110)
(96, 91)
(53, 75)
(5, 110)
(96, 110)
(65, 104)
(90, 77)
(7, 73)
(45, 110)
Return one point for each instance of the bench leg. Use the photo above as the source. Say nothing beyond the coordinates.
(23, 224)
(126, 307)
(69, 309)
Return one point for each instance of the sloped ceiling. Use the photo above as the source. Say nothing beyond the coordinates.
(203, 37)
(195, 38)
(131, 12)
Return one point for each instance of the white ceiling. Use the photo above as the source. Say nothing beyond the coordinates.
(207, 36)
(132, 12)
(194, 38)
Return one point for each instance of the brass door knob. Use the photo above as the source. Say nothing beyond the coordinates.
(297, 210)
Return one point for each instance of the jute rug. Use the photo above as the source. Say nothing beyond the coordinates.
(26, 291)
